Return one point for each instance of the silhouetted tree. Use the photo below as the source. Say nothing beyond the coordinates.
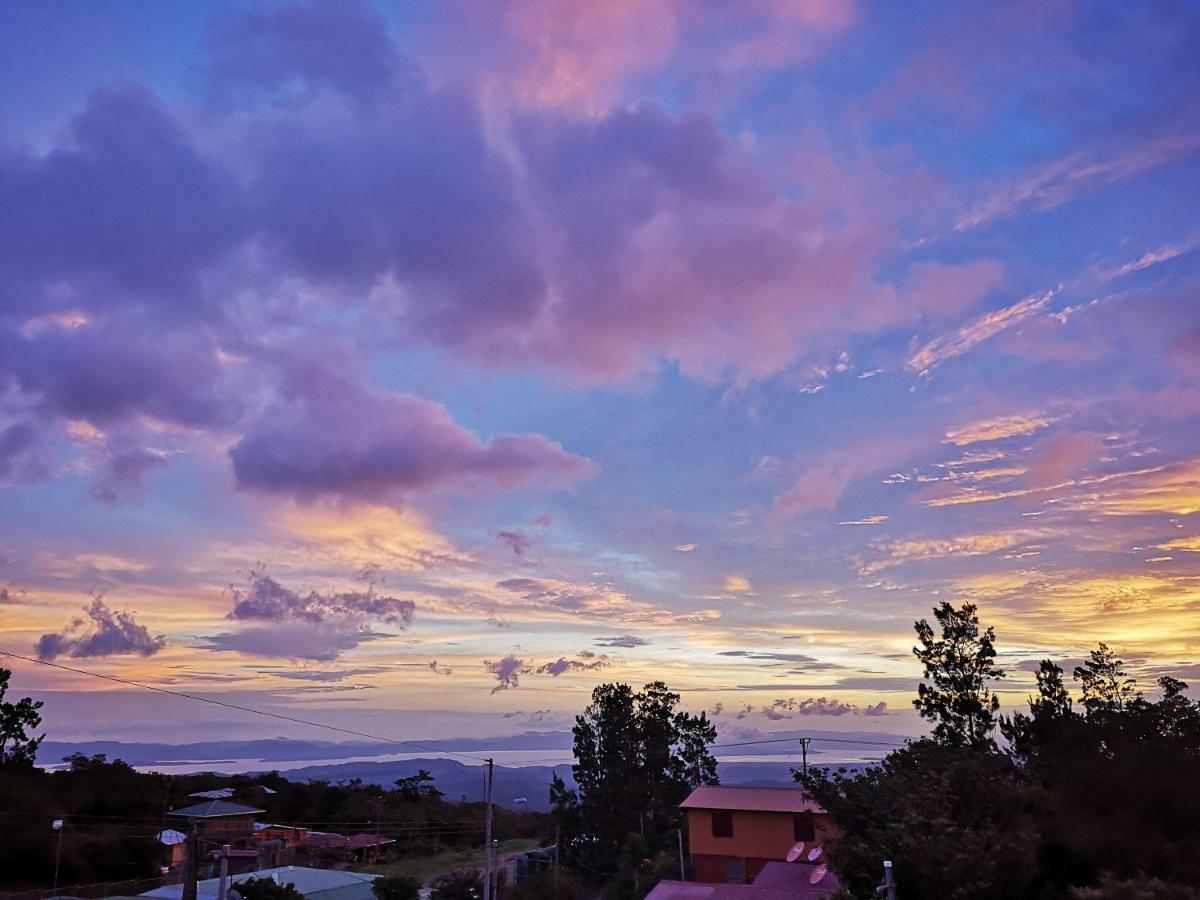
(266, 889)
(636, 758)
(960, 664)
(396, 887)
(1049, 711)
(18, 721)
(461, 884)
(1105, 686)
(417, 787)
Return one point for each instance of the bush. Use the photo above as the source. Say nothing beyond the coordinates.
(396, 887)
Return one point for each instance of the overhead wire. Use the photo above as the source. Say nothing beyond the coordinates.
(247, 709)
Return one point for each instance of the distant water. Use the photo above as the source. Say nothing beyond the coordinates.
(506, 758)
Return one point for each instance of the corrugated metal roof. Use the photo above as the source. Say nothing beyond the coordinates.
(751, 799)
(213, 809)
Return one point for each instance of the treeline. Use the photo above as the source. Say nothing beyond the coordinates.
(113, 813)
(1093, 793)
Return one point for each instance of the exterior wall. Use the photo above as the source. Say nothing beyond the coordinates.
(758, 838)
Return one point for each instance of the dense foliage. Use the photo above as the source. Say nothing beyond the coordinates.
(1091, 800)
(461, 884)
(637, 756)
(396, 887)
(266, 889)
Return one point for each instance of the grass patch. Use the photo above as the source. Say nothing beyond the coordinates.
(422, 867)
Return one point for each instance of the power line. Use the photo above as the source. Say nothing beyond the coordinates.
(247, 709)
(791, 740)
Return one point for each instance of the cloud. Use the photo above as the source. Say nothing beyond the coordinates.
(877, 709)
(810, 706)
(598, 601)
(25, 455)
(105, 632)
(997, 429)
(294, 639)
(438, 669)
(956, 343)
(562, 665)
(627, 641)
(508, 672)
(737, 584)
(516, 541)
(947, 291)
(897, 553)
(1062, 180)
(332, 437)
(307, 626)
(866, 520)
(1064, 456)
(685, 548)
(123, 472)
(267, 600)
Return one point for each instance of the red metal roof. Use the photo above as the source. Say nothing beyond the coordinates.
(751, 799)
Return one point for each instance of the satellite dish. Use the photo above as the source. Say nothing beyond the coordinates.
(818, 874)
(814, 854)
(796, 852)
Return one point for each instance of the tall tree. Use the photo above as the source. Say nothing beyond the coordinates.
(1028, 735)
(960, 664)
(18, 722)
(636, 758)
(1105, 685)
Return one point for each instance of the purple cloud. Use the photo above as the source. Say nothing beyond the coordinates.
(343, 440)
(587, 662)
(626, 641)
(508, 672)
(25, 456)
(266, 599)
(105, 632)
(124, 472)
(516, 541)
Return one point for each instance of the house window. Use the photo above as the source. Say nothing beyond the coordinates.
(802, 827)
(734, 873)
(722, 823)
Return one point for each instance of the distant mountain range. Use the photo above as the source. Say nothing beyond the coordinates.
(517, 785)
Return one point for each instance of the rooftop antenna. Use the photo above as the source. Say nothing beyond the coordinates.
(796, 852)
(804, 742)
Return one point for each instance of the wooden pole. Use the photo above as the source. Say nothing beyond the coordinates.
(487, 838)
(191, 862)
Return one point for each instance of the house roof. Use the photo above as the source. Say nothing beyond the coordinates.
(751, 799)
(795, 877)
(358, 841)
(694, 890)
(214, 809)
(307, 881)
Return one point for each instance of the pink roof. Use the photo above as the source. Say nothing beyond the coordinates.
(751, 799)
(691, 890)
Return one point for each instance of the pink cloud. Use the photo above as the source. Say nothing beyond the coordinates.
(1063, 456)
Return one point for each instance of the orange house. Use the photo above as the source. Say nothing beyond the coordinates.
(735, 831)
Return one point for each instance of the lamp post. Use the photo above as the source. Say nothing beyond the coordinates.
(57, 825)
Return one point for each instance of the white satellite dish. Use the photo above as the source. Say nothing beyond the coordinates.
(817, 874)
(796, 852)
(814, 854)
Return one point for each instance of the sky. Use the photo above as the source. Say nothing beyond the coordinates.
(416, 367)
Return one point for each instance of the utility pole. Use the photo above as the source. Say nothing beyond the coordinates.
(495, 870)
(682, 870)
(889, 879)
(223, 884)
(57, 825)
(487, 838)
(191, 862)
(804, 742)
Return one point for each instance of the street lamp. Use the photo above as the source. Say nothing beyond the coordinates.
(57, 825)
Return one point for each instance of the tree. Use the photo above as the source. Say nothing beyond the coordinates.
(417, 787)
(960, 664)
(396, 887)
(1104, 684)
(1027, 735)
(461, 884)
(18, 721)
(266, 889)
(636, 758)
